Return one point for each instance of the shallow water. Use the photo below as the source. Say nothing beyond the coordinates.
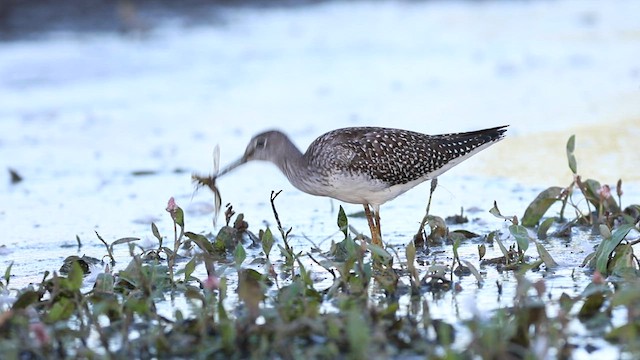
(81, 114)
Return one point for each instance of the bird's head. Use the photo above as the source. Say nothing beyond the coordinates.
(267, 146)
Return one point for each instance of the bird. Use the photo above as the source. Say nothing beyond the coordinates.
(366, 165)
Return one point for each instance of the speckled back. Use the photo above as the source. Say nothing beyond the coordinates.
(394, 156)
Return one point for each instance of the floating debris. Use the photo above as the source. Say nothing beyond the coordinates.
(210, 182)
(144, 172)
(15, 176)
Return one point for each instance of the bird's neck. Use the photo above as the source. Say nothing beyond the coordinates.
(295, 167)
(289, 161)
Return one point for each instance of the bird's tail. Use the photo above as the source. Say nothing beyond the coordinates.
(477, 137)
(460, 144)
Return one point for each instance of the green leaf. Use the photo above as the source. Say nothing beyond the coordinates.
(622, 263)
(228, 334)
(445, 332)
(604, 231)
(61, 310)
(591, 193)
(482, 250)
(502, 249)
(474, 271)
(156, 233)
(343, 224)
(496, 212)
(466, 234)
(571, 145)
(124, 240)
(545, 256)
(594, 299)
(189, 268)
(222, 289)
(539, 206)
(203, 243)
(238, 223)
(522, 236)
(7, 274)
(239, 254)
(286, 254)
(75, 276)
(180, 217)
(631, 214)
(410, 252)
(625, 334)
(625, 296)
(137, 306)
(25, 299)
(606, 247)
(566, 302)
(544, 228)
(377, 251)
(456, 245)
(358, 334)
(104, 283)
(250, 290)
(304, 274)
(456, 236)
(267, 242)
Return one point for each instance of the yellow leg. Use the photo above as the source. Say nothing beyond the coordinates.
(376, 214)
(374, 225)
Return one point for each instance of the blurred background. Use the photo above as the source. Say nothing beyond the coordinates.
(221, 68)
(21, 18)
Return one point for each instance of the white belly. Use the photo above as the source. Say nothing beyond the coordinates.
(362, 190)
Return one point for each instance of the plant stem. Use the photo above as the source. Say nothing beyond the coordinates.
(434, 184)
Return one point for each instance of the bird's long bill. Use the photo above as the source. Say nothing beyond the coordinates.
(231, 166)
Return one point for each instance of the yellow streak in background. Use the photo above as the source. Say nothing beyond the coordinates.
(604, 152)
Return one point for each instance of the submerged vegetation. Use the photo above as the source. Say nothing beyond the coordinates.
(258, 300)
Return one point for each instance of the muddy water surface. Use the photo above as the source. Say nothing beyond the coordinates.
(105, 128)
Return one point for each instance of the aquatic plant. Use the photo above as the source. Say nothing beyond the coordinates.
(253, 302)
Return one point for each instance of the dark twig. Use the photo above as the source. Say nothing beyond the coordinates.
(109, 252)
(272, 199)
(434, 184)
(284, 234)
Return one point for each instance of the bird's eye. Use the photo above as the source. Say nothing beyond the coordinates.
(261, 143)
